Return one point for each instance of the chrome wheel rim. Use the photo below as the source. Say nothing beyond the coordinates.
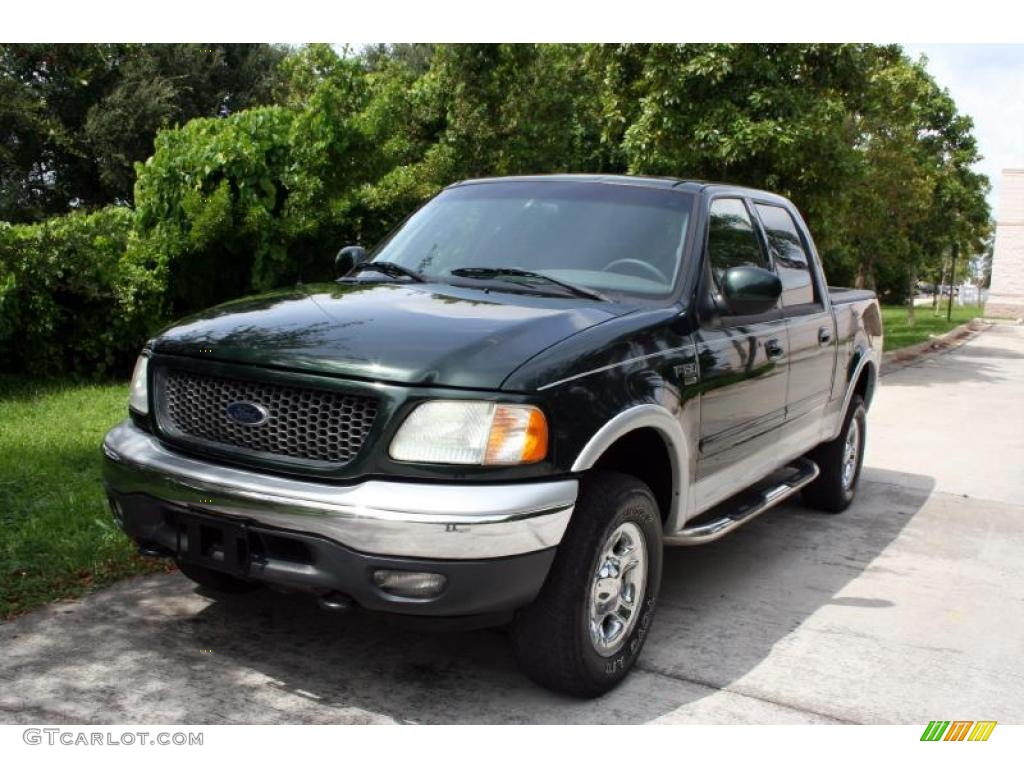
(617, 588)
(851, 450)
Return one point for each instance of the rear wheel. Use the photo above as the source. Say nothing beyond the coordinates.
(585, 630)
(840, 463)
(215, 580)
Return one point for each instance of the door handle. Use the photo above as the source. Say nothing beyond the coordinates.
(773, 348)
(824, 335)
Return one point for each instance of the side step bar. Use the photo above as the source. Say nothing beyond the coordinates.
(744, 507)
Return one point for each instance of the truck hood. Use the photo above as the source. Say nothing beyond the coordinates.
(430, 334)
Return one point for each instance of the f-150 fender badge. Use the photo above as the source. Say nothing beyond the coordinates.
(688, 372)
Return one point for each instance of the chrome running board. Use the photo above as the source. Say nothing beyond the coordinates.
(747, 505)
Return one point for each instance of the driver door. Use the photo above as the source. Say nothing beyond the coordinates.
(744, 365)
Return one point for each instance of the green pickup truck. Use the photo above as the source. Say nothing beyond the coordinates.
(506, 410)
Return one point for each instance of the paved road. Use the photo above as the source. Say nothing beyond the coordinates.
(908, 608)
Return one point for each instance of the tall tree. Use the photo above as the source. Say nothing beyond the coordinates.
(75, 118)
(860, 137)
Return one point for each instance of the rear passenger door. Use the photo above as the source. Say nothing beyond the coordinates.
(742, 361)
(809, 320)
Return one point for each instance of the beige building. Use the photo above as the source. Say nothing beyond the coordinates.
(1006, 297)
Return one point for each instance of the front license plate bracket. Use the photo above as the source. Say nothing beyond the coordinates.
(222, 545)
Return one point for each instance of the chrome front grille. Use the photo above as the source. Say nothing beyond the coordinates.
(302, 423)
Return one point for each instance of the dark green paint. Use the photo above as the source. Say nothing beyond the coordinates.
(419, 334)
(751, 290)
(582, 361)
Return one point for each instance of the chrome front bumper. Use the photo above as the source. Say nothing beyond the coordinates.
(458, 522)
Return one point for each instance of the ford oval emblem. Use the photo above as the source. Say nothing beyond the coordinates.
(247, 414)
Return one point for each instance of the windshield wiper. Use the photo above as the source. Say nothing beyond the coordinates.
(389, 268)
(496, 273)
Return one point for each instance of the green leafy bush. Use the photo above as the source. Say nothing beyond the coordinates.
(259, 198)
(75, 297)
(208, 204)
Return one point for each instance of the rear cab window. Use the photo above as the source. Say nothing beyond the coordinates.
(790, 255)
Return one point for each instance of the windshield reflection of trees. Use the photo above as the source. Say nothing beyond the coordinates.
(322, 335)
(211, 330)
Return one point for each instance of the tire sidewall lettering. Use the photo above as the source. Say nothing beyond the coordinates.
(618, 663)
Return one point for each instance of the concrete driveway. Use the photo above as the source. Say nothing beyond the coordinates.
(907, 608)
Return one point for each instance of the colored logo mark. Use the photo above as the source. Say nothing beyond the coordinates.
(958, 730)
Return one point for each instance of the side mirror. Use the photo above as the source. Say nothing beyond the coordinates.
(750, 290)
(349, 258)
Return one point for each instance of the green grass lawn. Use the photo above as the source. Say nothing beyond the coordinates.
(57, 537)
(898, 334)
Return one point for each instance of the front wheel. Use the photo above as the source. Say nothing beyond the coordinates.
(585, 630)
(840, 462)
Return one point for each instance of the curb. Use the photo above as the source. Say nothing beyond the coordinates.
(900, 358)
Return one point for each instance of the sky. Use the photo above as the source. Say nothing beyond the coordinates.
(987, 83)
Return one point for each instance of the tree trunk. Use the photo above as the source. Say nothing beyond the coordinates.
(864, 273)
(911, 292)
(952, 277)
(938, 288)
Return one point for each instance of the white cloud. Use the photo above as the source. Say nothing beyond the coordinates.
(987, 82)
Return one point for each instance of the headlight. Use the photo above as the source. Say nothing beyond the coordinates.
(138, 399)
(472, 432)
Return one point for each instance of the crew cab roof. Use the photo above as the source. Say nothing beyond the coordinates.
(665, 182)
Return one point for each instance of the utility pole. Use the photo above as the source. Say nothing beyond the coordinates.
(952, 277)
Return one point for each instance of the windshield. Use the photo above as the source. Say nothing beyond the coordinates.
(606, 237)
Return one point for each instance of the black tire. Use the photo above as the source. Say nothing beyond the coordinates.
(830, 492)
(216, 581)
(551, 638)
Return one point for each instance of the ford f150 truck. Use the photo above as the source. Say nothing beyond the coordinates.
(506, 410)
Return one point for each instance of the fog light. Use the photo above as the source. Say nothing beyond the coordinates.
(410, 583)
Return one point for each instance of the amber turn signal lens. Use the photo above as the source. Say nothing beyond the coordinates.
(519, 435)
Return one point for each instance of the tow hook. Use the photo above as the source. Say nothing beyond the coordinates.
(335, 602)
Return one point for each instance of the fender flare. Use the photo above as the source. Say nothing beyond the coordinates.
(667, 425)
(862, 358)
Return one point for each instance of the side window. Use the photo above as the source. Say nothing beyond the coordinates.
(732, 241)
(791, 260)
